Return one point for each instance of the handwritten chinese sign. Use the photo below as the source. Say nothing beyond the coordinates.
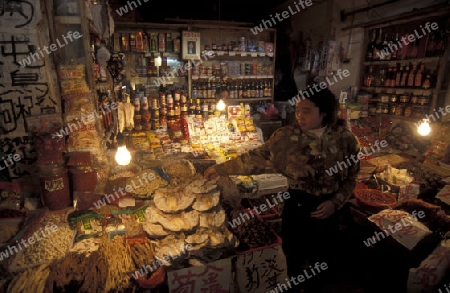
(211, 278)
(261, 271)
(402, 226)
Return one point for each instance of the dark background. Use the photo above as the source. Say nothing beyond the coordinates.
(231, 10)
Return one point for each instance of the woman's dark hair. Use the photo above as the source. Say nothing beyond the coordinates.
(327, 103)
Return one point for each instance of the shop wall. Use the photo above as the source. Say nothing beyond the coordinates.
(25, 91)
(322, 21)
(357, 49)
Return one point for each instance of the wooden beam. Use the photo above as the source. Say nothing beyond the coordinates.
(418, 14)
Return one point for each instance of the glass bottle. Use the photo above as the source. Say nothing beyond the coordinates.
(371, 46)
(411, 76)
(419, 76)
(205, 111)
(398, 76)
(427, 82)
(386, 50)
(368, 79)
(403, 80)
(394, 41)
(198, 109)
(378, 47)
(191, 108)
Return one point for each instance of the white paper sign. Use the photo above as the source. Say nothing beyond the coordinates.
(401, 226)
(214, 277)
(260, 271)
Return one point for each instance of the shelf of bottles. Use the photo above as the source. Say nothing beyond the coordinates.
(240, 90)
(142, 49)
(401, 68)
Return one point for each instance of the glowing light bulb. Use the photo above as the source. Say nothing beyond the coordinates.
(123, 156)
(221, 105)
(158, 61)
(424, 128)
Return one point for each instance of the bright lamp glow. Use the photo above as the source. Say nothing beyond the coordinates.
(221, 105)
(158, 61)
(424, 128)
(123, 156)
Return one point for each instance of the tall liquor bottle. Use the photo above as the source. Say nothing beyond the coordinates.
(386, 53)
(371, 46)
(378, 46)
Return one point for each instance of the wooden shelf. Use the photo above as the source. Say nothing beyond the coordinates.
(398, 117)
(250, 99)
(383, 89)
(413, 61)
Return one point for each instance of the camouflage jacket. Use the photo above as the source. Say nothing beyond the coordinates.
(312, 164)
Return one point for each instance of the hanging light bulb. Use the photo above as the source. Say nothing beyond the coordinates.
(158, 61)
(424, 128)
(123, 155)
(221, 105)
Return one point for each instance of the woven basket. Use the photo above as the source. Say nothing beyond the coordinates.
(374, 200)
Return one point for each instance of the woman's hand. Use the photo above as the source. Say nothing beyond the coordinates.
(324, 210)
(210, 173)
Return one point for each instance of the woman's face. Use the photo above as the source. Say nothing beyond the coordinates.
(308, 116)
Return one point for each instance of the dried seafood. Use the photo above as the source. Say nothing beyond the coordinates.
(154, 230)
(212, 219)
(145, 183)
(173, 200)
(179, 170)
(206, 201)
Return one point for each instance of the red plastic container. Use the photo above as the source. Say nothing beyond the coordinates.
(55, 190)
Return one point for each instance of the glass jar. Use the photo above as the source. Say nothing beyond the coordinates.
(392, 109)
(399, 109)
(408, 111)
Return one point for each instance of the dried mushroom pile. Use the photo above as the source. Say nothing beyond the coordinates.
(186, 212)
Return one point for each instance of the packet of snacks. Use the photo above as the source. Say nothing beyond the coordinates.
(431, 271)
(71, 71)
(72, 86)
